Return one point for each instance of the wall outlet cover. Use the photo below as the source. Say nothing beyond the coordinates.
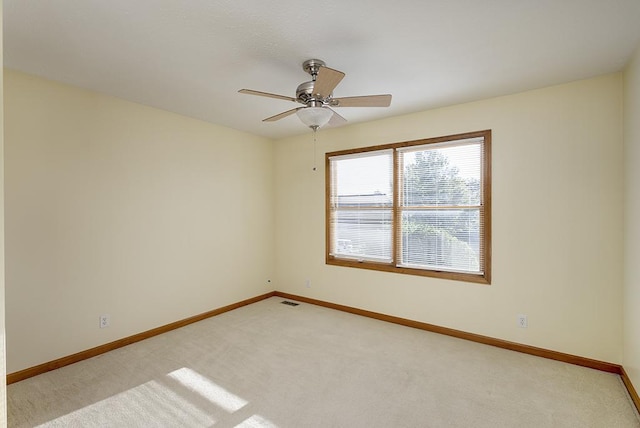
(105, 321)
(522, 321)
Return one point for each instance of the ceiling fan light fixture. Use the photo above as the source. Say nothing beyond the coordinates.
(314, 117)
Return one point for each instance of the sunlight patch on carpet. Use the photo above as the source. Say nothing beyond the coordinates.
(150, 401)
(208, 389)
(256, 421)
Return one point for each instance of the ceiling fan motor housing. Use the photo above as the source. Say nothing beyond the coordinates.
(304, 93)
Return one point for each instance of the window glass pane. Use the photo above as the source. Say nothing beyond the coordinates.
(363, 234)
(442, 176)
(366, 180)
(441, 239)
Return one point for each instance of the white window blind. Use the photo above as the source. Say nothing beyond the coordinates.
(441, 206)
(361, 206)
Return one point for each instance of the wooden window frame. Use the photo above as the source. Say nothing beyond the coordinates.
(481, 278)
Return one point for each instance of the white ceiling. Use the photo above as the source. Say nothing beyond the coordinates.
(192, 56)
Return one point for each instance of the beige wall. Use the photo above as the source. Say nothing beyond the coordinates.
(3, 368)
(115, 208)
(631, 360)
(557, 214)
(120, 209)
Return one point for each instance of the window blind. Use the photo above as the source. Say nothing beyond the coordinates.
(440, 209)
(361, 206)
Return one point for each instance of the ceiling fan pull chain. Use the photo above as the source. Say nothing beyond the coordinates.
(315, 130)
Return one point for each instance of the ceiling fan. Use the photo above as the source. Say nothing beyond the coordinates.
(317, 97)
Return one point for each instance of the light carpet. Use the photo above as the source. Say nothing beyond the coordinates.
(273, 365)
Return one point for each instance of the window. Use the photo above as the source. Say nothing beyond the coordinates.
(418, 207)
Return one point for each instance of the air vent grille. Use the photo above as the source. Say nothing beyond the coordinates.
(286, 302)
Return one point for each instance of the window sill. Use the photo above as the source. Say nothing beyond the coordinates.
(385, 267)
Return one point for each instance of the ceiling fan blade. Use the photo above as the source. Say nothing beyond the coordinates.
(336, 119)
(363, 101)
(281, 115)
(326, 81)
(266, 94)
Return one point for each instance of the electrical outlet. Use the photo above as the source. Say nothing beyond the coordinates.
(105, 321)
(522, 321)
(307, 283)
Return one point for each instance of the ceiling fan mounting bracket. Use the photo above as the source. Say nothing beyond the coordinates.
(312, 66)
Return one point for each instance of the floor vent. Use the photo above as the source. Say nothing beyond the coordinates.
(286, 302)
